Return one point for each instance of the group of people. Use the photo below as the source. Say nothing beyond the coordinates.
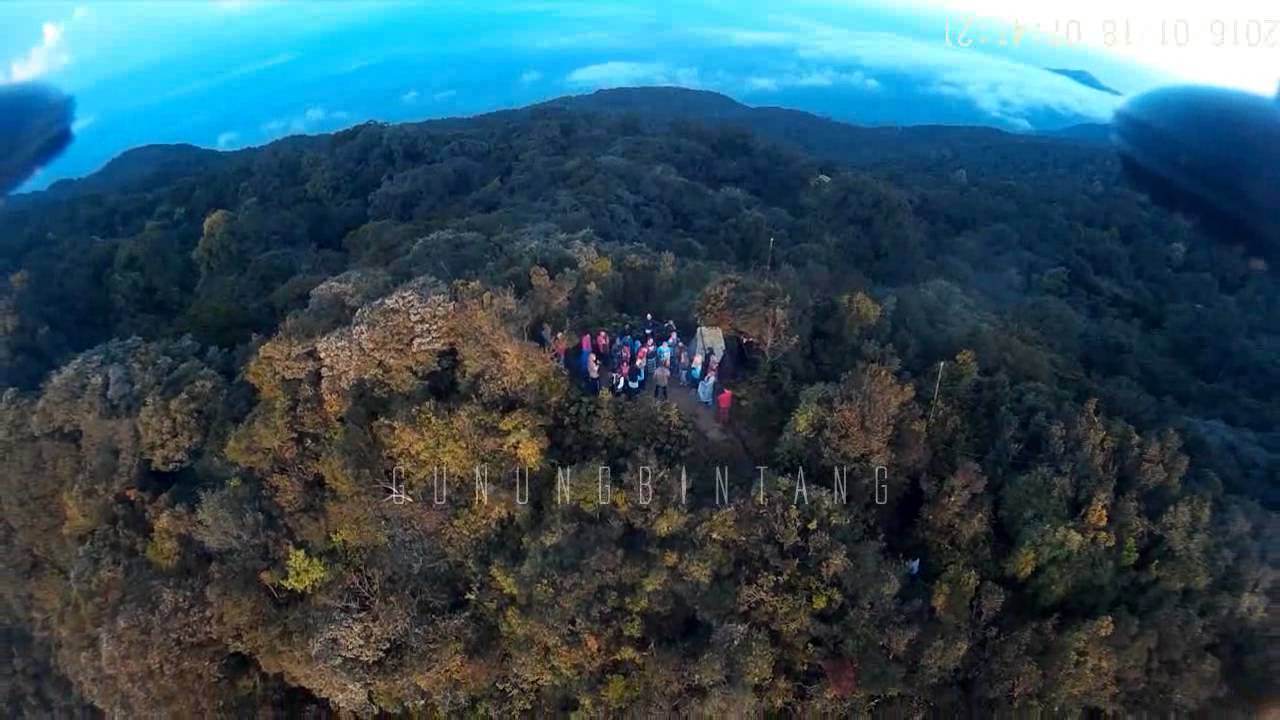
(631, 360)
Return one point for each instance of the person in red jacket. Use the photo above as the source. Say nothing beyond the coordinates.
(723, 401)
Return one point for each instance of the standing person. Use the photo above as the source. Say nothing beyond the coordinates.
(602, 343)
(723, 402)
(695, 370)
(682, 365)
(650, 357)
(661, 377)
(593, 374)
(619, 380)
(544, 336)
(558, 348)
(664, 352)
(724, 366)
(649, 324)
(706, 388)
(634, 379)
(585, 346)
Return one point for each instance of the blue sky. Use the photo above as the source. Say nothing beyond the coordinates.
(235, 73)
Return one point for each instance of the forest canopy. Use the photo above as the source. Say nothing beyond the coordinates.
(211, 371)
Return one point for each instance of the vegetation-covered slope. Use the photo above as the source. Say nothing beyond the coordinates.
(213, 371)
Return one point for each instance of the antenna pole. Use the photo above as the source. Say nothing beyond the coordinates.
(937, 386)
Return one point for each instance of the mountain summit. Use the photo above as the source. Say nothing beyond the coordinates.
(1085, 78)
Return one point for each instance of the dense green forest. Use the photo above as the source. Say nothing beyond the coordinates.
(213, 362)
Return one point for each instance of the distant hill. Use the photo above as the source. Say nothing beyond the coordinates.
(149, 166)
(1085, 78)
(1099, 133)
(134, 169)
(819, 136)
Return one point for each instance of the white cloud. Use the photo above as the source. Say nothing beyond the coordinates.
(1009, 92)
(814, 77)
(1010, 97)
(766, 84)
(634, 13)
(49, 56)
(528, 77)
(234, 5)
(82, 123)
(315, 119)
(743, 37)
(568, 40)
(615, 73)
(618, 74)
(413, 96)
(227, 139)
(1005, 89)
(826, 77)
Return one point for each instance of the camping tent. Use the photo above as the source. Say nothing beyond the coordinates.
(708, 338)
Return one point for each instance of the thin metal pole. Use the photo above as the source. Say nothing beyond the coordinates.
(938, 386)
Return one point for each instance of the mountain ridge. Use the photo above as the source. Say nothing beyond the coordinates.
(827, 138)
